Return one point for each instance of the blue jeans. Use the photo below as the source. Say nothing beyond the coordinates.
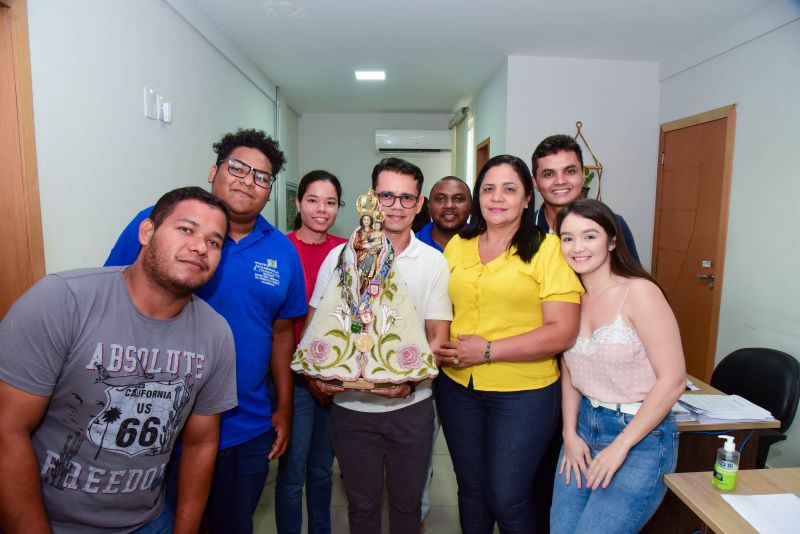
(637, 487)
(496, 440)
(163, 524)
(239, 478)
(309, 461)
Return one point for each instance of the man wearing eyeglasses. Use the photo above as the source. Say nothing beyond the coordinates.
(259, 289)
(391, 429)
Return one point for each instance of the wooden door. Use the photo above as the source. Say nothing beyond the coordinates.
(22, 260)
(481, 155)
(691, 226)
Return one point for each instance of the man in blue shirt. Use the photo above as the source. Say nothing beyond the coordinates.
(259, 289)
(449, 204)
(557, 169)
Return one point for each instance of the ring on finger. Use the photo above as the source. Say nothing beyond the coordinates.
(456, 361)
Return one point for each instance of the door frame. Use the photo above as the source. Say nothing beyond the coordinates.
(724, 112)
(27, 141)
(484, 145)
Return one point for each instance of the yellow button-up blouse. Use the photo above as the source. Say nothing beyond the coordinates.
(502, 299)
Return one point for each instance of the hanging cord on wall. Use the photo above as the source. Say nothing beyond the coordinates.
(597, 167)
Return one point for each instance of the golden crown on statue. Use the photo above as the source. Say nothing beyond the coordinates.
(367, 204)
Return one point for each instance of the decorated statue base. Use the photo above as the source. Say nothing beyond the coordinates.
(365, 332)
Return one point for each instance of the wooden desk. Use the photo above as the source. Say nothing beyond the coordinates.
(694, 426)
(695, 490)
(697, 451)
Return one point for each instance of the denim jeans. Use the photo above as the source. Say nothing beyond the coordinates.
(637, 487)
(163, 524)
(425, 502)
(239, 478)
(308, 461)
(496, 440)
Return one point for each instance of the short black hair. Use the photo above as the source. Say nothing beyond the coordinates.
(553, 145)
(251, 138)
(452, 179)
(400, 166)
(166, 204)
(529, 236)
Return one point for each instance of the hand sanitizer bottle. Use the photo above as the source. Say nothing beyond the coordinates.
(727, 465)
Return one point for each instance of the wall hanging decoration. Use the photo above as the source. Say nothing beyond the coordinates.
(590, 170)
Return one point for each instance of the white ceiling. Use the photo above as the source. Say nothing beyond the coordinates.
(436, 53)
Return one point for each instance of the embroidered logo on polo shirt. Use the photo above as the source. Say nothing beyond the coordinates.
(267, 273)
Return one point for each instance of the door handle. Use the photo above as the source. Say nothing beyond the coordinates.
(705, 276)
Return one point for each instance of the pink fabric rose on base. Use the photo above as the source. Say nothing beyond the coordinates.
(409, 357)
(318, 351)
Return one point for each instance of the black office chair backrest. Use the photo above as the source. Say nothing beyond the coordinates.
(767, 377)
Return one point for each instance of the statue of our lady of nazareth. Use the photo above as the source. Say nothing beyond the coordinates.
(365, 332)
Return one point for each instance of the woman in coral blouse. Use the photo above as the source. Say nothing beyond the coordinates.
(309, 458)
(515, 307)
(619, 383)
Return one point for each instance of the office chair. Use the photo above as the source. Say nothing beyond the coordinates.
(766, 377)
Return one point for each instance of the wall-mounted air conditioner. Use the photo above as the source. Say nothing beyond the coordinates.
(413, 141)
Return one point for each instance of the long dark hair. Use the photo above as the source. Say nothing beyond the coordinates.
(622, 262)
(310, 178)
(528, 236)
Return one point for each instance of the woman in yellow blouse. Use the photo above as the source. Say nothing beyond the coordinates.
(515, 307)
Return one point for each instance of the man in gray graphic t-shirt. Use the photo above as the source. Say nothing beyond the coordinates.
(101, 370)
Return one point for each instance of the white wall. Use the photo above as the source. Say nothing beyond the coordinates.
(344, 144)
(100, 160)
(289, 126)
(617, 102)
(490, 108)
(761, 292)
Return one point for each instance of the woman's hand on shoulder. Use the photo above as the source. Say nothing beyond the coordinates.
(576, 459)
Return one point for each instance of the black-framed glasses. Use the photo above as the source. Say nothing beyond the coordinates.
(388, 199)
(240, 169)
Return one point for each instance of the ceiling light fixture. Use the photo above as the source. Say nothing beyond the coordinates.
(284, 10)
(371, 75)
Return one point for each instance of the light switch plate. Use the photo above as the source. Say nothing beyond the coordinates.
(150, 104)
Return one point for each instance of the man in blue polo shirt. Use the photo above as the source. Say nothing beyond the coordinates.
(557, 168)
(259, 289)
(449, 204)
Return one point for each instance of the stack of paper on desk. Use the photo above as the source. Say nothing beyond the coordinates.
(721, 408)
(681, 413)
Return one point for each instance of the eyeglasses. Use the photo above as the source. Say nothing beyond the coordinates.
(388, 199)
(241, 170)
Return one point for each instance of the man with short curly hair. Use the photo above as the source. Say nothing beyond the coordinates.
(259, 289)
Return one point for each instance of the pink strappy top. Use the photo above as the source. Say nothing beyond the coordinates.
(611, 365)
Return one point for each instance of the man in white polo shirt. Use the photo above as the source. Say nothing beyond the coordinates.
(391, 428)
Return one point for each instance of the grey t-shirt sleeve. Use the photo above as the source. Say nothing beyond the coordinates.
(36, 336)
(218, 393)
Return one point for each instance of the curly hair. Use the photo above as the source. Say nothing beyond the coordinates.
(251, 138)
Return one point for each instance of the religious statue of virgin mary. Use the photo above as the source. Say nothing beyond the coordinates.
(365, 332)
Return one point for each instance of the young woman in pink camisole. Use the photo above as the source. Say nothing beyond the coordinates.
(619, 383)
